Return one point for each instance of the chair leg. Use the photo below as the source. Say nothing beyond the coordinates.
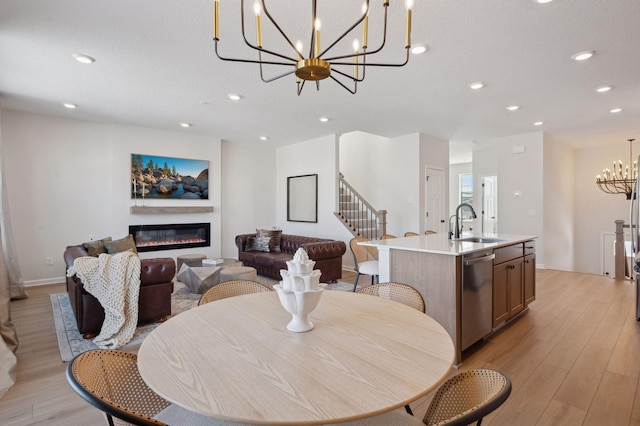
(355, 285)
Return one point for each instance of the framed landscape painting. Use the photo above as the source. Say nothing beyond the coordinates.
(153, 176)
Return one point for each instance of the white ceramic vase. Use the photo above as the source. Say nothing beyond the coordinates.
(299, 304)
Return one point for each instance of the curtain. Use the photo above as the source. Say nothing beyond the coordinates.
(11, 286)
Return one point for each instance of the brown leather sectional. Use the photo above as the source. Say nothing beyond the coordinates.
(154, 302)
(327, 254)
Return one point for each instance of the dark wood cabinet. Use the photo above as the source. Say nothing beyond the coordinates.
(529, 278)
(508, 290)
(513, 280)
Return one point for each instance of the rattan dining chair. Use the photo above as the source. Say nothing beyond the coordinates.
(110, 381)
(387, 237)
(467, 397)
(410, 234)
(363, 262)
(232, 288)
(402, 293)
(462, 400)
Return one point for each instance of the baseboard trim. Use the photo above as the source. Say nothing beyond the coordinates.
(45, 281)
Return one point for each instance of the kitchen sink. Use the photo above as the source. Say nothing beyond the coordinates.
(482, 240)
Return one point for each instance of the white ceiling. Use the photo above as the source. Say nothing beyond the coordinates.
(155, 67)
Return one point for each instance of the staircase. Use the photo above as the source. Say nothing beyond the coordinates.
(357, 215)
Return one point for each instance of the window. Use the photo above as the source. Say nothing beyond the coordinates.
(466, 188)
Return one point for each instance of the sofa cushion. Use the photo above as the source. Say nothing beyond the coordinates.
(280, 260)
(265, 259)
(96, 248)
(123, 244)
(258, 244)
(247, 256)
(275, 237)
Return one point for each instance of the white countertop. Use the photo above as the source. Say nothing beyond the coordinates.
(441, 244)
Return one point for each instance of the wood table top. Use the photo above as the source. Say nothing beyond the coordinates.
(234, 359)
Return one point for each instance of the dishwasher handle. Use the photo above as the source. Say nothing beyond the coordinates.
(479, 259)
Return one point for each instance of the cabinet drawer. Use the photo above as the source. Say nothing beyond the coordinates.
(529, 247)
(505, 254)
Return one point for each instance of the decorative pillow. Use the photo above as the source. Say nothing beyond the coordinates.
(96, 248)
(120, 245)
(258, 244)
(275, 236)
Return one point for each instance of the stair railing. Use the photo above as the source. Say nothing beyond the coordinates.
(361, 215)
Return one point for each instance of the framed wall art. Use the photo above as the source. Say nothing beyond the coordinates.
(302, 198)
(156, 177)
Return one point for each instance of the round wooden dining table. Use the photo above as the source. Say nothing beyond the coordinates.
(235, 360)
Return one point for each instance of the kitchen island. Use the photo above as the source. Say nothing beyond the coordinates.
(472, 286)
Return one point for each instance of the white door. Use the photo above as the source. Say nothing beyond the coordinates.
(434, 197)
(490, 204)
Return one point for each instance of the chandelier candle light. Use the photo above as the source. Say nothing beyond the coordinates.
(622, 179)
(318, 64)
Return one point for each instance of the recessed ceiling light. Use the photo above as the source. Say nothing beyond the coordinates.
(234, 97)
(584, 55)
(603, 89)
(186, 124)
(476, 85)
(83, 59)
(615, 110)
(70, 106)
(512, 107)
(419, 49)
(538, 123)
(542, 1)
(324, 119)
(263, 138)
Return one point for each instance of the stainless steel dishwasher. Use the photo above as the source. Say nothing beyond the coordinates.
(477, 296)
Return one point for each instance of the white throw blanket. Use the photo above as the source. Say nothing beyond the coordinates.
(115, 281)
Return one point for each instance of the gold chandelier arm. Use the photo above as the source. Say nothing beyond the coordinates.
(355, 84)
(273, 21)
(269, 80)
(261, 49)
(248, 61)
(406, 61)
(355, 80)
(358, 22)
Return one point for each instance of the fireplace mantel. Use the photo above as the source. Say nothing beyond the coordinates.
(169, 210)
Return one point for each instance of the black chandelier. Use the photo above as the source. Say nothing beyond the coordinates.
(317, 64)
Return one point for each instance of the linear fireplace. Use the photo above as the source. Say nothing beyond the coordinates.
(169, 237)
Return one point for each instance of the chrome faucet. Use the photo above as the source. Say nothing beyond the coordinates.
(456, 233)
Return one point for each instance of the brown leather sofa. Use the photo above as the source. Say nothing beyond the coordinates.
(154, 301)
(326, 253)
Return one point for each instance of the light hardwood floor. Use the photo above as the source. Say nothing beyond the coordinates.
(574, 359)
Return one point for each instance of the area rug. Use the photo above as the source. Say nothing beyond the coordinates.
(70, 340)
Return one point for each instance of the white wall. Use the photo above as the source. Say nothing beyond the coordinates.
(316, 156)
(248, 191)
(559, 201)
(517, 173)
(68, 179)
(595, 211)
